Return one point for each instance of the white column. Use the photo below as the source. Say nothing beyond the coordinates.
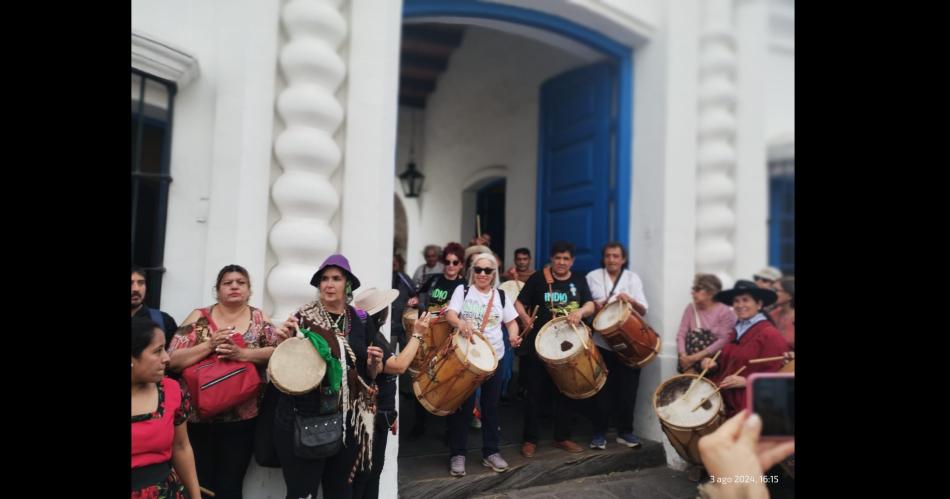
(665, 155)
(715, 182)
(372, 108)
(368, 181)
(752, 210)
(306, 149)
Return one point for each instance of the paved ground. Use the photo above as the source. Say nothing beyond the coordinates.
(658, 482)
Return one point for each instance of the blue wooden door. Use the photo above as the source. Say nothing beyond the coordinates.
(574, 165)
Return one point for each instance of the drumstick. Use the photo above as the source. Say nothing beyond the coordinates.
(206, 491)
(703, 401)
(478, 226)
(578, 333)
(766, 359)
(534, 317)
(696, 381)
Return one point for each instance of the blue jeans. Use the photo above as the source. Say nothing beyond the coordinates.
(507, 362)
(459, 420)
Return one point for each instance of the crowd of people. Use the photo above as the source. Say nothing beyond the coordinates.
(176, 447)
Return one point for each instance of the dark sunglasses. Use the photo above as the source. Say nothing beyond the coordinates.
(480, 270)
(453, 262)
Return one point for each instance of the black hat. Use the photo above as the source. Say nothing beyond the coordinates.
(743, 287)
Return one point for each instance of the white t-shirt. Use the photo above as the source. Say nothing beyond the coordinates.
(471, 308)
(599, 282)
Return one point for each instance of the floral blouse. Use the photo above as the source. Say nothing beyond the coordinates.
(259, 334)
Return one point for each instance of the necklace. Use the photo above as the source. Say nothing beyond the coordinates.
(335, 324)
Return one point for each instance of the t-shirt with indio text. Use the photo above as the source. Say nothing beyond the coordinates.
(568, 295)
(471, 307)
(439, 290)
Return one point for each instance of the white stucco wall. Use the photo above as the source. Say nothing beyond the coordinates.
(483, 113)
(221, 142)
(780, 116)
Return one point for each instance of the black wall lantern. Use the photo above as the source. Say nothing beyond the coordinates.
(411, 179)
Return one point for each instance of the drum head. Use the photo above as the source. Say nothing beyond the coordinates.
(609, 316)
(674, 409)
(296, 367)
(511, 288)
(480, 355)
(557, 340)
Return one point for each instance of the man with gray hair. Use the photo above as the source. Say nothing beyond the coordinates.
(431, 253)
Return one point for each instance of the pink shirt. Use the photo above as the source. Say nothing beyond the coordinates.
(153, 433)
(785, 322)
(719, 318)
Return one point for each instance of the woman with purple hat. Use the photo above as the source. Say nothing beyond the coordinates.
(753, 337)
(347, 390)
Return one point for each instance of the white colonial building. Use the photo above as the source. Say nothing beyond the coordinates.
(270, 133)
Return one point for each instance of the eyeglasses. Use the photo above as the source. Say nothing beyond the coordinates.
(698, 289)
(760, 278)
(480, 270)
(453, 262)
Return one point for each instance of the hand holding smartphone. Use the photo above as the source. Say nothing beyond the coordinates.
(772, 397)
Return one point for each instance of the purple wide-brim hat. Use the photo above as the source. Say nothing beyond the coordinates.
(341, 263)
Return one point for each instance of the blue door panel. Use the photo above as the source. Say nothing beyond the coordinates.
(572, 167)
(574, 163)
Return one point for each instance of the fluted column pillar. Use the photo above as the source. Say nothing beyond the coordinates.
(306, 149)
(717, 159)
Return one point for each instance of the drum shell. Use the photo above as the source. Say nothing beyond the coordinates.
(684, 439)
(788, 368)
(628, 336)
(579, 376)
(455, 379)
(433, 338)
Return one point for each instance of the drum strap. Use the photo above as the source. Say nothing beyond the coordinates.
(696, 313)
(548, 278)
(615, 284)
(491, 301)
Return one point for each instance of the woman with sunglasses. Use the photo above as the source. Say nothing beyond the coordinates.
(467, 312)
(434, 294)
(705, 326)
(433, 297)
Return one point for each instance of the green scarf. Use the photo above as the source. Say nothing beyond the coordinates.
(334, 369)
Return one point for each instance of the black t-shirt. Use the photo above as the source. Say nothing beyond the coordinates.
(569, 295)
(386, 398)
(403, 284)
(439, 290)
(168, 324)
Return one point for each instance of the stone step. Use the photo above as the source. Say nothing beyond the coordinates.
(430, 477)
(656, 482)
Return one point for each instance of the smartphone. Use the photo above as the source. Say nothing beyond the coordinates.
(772, 397)
(237, 339)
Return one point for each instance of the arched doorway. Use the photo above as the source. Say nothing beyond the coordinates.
(575, 39)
